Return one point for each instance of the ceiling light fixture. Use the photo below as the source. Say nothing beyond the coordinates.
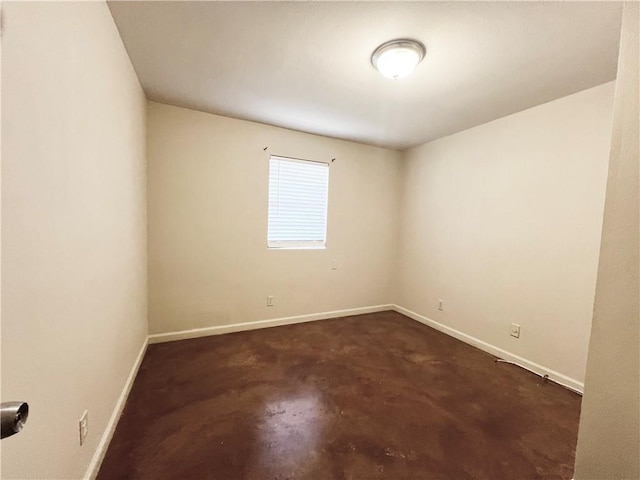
(398, 58)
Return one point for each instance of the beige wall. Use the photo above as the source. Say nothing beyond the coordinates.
(503, 221)
(73, 231)
(207, 201)
(609, 436)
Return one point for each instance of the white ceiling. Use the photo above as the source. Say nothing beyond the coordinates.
(306, 65)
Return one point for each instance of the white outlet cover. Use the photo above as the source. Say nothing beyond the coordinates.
(515, 330)
(84, 426)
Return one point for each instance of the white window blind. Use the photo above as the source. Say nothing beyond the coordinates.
(298, 191)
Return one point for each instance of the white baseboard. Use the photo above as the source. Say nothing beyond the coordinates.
(275, 322)
(101, 449)
(557, 377)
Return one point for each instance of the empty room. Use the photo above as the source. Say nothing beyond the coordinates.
(320, 240)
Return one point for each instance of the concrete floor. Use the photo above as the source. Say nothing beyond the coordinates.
(364, 397)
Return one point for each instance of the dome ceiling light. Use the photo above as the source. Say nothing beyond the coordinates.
(398, 58)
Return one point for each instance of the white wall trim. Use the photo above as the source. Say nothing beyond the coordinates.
(240, 327)
(101, 449)
(557, 377)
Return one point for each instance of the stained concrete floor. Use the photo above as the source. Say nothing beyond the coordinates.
(364, 397)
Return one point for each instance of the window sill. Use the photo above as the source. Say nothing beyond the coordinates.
(296, 248)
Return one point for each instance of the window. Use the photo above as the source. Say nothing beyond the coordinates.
(298, 191)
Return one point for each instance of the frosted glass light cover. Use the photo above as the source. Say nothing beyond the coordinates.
(398, 58)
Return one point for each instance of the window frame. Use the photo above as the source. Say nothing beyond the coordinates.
(297, 244)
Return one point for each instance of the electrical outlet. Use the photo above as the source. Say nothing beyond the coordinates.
(515, 330)
(269, 301)
(334, 264)
(441, 305)
(84, 426)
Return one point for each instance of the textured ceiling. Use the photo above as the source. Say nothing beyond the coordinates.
(306, 65)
